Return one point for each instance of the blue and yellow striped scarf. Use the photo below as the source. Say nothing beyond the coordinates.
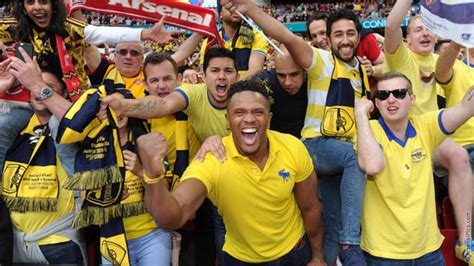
(338, 119)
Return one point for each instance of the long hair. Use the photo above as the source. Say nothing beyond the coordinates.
(24, 26)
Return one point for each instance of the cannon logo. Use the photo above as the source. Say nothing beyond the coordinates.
(173, 12)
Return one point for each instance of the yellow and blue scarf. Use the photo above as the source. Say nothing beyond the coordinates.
(30, 182)
(338, 119)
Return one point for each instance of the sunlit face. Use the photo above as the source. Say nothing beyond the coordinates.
(318, 32)
(394, 110)
(52, 81)
(249, 116)
(420, 40)
(219, 76)
(289, 74)
(39, 11)
(161, 79)
(344, 39)
(128, 58)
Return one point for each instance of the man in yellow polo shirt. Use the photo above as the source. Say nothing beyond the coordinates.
(416, 60)
(399, 222)
(264, 190)
(456, 78)
(335, 79)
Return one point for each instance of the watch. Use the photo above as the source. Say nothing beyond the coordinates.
(45, 93)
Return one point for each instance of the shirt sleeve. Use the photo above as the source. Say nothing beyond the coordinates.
(371, 48)
(206, 172)
(398, 61)
(259, 45)
(431, 126)
(111, 35)
(192, 95)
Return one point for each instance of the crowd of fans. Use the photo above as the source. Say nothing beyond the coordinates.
(159, 99)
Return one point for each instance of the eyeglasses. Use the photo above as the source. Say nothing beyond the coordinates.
(133, 53)
(383, 95)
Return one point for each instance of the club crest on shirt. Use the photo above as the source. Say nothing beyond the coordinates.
(418, 155)
(284, 174)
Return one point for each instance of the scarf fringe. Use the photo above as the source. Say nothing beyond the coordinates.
(96, 215)
(94, 178)
(133, 209)
(23, 205)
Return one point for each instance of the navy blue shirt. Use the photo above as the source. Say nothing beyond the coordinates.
(288, 110)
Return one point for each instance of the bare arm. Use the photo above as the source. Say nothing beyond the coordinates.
(445, 63)
(455, 116)
(298, 48)
(369, 154)
(311, 213)
(29, 75)
(393, 32)
(147, 107)
(169, 210)
(256, 62)
(92, 57)
(186, 48)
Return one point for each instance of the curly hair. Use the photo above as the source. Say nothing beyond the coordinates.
(24, 26)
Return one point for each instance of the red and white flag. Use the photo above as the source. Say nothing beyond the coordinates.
(183, 15)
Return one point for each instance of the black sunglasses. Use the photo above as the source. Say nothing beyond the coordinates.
(399, 94)
(133, 53)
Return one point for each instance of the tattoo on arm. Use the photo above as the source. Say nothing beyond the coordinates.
(144, 107)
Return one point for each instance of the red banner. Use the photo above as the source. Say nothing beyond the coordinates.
(186, 16)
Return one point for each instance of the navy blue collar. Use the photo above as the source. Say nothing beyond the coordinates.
(213, 105)
(410, 133)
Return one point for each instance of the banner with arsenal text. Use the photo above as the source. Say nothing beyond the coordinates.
(179, 14)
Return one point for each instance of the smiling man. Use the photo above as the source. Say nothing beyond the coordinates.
(399, 225)
(264, 191)
(333, 73)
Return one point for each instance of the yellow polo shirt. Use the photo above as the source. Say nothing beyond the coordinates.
(413, 66)
(207, 119)
(261, 216)
(399, 212)
(462, 80)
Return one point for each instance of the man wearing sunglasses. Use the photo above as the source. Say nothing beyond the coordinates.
(399, 223)
(417, 61)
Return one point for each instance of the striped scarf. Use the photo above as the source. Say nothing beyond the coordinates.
(338, 119)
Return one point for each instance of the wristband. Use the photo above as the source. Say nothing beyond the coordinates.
(150, 180)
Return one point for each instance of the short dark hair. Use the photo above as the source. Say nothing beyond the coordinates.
(317, 15)
(343, 14)
(218, 53)
(156, 58)
(392, 75)
(51, 72)
(249, 85)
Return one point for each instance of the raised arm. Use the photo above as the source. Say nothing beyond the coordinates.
(298, 48)
(29, 75)
(455, 116)
(146, 107)
(393, 32)
(445, 63)
(169, 210)
(311, 213)
(186, 48)
(369, 153)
